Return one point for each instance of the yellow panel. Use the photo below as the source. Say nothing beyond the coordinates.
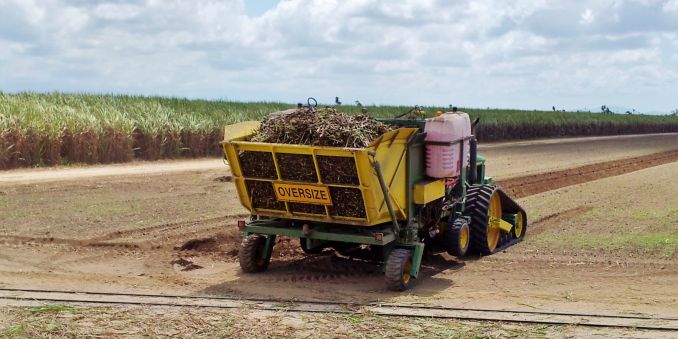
(240, 130)
(390, 150)
(428, 191)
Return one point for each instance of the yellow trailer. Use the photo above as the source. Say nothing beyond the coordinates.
(314, 199)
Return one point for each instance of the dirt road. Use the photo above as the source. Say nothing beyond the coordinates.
(599, 245)
(95, 171)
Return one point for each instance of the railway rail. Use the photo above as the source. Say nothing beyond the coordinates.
(21, 297)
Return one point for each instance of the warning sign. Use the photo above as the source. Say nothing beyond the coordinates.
(308, 194)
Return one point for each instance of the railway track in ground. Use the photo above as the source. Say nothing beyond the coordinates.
(22, 297)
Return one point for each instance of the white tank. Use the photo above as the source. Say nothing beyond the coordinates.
(444, 161)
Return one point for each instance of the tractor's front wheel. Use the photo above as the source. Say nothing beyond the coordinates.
(458, 238)
(252, 255)
(398, 266)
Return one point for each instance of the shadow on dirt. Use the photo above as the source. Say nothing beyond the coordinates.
(330, 276)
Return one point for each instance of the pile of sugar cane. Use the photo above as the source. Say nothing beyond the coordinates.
(319, 127)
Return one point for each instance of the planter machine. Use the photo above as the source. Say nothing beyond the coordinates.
(402, 210)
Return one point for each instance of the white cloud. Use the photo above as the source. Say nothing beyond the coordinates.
(587, 17)
(670, 6)
(32, 11)
(113, 11)
(522, 53)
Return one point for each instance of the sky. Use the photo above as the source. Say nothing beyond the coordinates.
(528, 54)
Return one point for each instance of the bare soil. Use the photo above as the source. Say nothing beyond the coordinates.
(607, 245)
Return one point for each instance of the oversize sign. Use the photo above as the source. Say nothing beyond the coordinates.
(308, 194)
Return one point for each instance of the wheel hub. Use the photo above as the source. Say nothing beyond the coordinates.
(406, 271)
(494, 219)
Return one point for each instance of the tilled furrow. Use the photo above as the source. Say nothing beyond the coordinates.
(538, 183)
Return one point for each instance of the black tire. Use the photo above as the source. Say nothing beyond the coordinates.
(457, 243)
(251, 254)
(398, 267)
(477, 206)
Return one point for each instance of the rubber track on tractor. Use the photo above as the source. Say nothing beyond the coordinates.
(477, 205)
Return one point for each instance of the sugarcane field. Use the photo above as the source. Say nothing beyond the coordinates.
(357, 169)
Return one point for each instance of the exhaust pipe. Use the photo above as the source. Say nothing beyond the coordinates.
(473, 166)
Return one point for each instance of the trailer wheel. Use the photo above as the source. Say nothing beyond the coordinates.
(398, 267)
(251, 254)
(458, 238)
